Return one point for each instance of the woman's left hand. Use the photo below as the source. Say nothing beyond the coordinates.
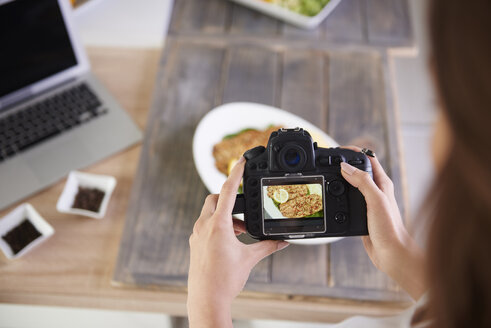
(220, 263)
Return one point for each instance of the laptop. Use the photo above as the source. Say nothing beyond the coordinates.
(55, 116)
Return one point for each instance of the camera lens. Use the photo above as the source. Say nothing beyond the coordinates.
(292, 157)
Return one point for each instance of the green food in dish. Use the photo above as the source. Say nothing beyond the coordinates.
(232, 135)
(315, 215)
(303, 7)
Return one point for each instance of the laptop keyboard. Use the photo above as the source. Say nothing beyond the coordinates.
(48, 118)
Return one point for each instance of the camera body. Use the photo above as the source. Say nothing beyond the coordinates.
(294, 189)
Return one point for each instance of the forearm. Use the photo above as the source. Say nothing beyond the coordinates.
(209, 315)
(408, 269)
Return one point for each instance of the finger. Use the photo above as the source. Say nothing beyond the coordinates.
(265, 248)
(353, 147)
(361, 180)
(238, 233)
(226, 200)
(239, 226)
(209, 206)
(367, 242)
(381, 178)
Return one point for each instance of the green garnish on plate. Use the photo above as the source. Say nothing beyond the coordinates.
(303, 7)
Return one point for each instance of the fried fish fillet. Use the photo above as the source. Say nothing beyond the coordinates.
(232, 148)
(301, 206)
(294, 191)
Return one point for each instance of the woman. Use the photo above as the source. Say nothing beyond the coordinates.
(456, 272)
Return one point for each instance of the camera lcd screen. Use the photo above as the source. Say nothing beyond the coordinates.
(293, 205)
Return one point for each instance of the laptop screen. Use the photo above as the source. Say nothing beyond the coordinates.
(34, 43)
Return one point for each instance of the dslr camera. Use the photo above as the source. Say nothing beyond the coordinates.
(294, 189)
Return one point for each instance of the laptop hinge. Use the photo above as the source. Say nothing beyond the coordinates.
(27, 94)
(16, 97)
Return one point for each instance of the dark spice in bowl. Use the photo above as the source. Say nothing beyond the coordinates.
(21, 236)
(89, 199)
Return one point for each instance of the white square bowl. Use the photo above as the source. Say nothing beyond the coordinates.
(77, 179)
(286, 15)
(16, 217)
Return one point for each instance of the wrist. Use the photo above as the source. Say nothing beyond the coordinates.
(209, 312)
(407, 268)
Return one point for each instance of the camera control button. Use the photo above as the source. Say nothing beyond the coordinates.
(340, 218)
(324, 161)
(336, 188)
(252, 166)
(251, 153)
(252, 182)
(355, 162)
(296, 236)
(336, 160)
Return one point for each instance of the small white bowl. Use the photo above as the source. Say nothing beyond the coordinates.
(77, 179)
(16, 217)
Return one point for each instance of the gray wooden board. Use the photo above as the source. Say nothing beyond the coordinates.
(200, 75)
(378, 22)
(388, 22)
(341, 88)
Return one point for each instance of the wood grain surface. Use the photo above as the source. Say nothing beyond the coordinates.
(335, 76)
(383, 23)
(75, 267)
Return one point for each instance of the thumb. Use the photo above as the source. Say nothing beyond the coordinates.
(361, 180)
(265, 248)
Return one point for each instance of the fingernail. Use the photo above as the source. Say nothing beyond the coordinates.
(348, 169)
(282, 244)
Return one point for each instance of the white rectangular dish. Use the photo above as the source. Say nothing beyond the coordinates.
(286, 15)
(15, 218)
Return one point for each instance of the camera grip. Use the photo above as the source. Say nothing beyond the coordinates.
(239, 206)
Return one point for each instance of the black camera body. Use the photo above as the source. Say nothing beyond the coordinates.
(294, 189)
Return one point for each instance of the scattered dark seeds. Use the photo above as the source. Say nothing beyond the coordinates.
(89, 199)
(21, 236)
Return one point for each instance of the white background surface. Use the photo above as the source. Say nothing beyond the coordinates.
(124, 23)
(131, 23)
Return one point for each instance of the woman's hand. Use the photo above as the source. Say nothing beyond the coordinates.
(389, 245)
(220, 263)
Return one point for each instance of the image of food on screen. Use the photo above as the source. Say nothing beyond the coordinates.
(293, 201)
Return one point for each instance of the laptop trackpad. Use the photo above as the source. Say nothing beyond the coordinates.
(17, 181)
(52, 161)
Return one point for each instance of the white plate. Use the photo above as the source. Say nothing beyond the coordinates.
(289, 16)
(77, 179)
(16, 217)
(271, 208)
(230, 118)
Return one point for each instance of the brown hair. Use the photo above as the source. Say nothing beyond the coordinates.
(459, 243)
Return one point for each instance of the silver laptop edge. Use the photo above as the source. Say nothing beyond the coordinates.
(47, 162)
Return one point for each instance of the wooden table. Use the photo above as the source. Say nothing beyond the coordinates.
(335, 76)
(75, 267)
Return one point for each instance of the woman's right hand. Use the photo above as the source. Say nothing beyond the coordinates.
(389, 245)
